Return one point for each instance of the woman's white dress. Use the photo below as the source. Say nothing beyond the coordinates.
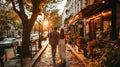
(62, 49)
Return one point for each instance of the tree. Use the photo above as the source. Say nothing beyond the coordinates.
(55, 19)
(34, 7)
(15, 18)
(5, 19)
(51, 11)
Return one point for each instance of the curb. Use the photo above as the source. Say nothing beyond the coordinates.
(31, 64)
(80, 57)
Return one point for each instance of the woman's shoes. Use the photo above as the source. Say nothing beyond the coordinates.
(64, 62)
(59, 61)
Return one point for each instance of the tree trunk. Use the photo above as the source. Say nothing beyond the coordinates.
(26, 40)
(39, 41)
(27, 27)
(27, 23)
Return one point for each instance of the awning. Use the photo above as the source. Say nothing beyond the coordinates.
(90, 10)
(97, 7)
(74, 18)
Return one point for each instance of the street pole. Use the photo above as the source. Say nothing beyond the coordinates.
(40, 18)
(39, 40)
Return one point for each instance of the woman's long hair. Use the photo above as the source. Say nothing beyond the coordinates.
(62, 35)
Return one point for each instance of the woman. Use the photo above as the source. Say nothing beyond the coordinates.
(62, 46)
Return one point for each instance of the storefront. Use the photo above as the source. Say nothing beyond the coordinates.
(97, 20)
(98, 25)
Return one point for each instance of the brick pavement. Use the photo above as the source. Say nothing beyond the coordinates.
(46, 59)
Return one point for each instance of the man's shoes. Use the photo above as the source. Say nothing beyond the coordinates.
(64, 63)
(54, 62)
(55, 65)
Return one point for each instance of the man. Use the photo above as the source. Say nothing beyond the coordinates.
(53, 40)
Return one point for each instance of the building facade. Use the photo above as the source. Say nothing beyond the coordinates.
(98, 17)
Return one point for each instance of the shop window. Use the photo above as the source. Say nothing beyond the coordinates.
(106, 30)
(97, 22)
(106, 26)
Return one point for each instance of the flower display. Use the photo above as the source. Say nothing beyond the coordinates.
(108, 56)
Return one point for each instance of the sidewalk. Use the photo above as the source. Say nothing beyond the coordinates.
(14, 61)
(73, 58)
(45, 60)
(79, 55)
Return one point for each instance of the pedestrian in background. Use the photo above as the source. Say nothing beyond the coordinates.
(53, 40)
(62, 46)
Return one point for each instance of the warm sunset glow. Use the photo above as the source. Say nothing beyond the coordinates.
(51, 24)
(45, 23)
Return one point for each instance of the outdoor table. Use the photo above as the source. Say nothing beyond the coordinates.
(4, 44)
(7, 42)
(11, 42)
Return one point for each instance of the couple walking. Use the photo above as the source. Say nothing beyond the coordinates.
(58, 38)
